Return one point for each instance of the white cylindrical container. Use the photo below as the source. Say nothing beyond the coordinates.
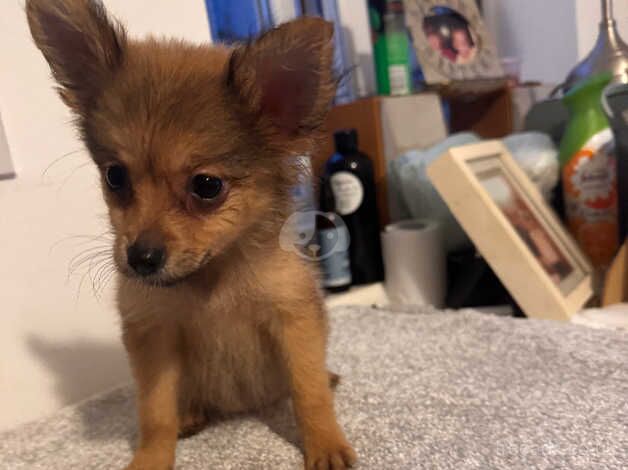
(415, 263)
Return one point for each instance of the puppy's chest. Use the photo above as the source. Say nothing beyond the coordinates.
(231, 357)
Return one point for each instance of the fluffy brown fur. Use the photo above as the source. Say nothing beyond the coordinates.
(230, 323)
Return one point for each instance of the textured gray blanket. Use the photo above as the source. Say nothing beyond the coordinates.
(419, 390)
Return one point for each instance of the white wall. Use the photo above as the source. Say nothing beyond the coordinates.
(57, 345)
(588, 18)
(549, 36)
(541, 33)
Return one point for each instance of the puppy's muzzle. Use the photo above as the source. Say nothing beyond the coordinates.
(146, 259)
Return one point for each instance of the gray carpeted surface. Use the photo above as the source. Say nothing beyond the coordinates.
(420, 390)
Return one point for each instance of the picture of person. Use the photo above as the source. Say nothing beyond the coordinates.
(449, 33)
(463, 44)
(529, 228)
(440, 43)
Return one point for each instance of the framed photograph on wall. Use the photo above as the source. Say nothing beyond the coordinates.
(6, 165)
(514, 229)
(451, 41)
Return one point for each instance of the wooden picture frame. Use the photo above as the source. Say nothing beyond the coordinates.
(515, 230)
(451, 41)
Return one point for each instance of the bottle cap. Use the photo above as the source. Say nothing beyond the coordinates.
(346, 141)
(394, 6)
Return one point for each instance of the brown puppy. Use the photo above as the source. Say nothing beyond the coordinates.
(196, 149)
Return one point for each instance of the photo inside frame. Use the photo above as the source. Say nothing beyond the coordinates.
(451, 34)
(544, 242)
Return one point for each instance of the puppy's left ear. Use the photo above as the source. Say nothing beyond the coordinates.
(82, 45)
(284, 81)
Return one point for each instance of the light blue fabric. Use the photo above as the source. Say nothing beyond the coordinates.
(538, 156)
(415, 194)
(415, 197)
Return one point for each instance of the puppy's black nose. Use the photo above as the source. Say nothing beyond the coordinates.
(145, 259)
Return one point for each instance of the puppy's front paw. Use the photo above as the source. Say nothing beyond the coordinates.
(149, 461)
(329, 454)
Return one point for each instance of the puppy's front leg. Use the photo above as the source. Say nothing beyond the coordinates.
(156, 368)
(304, 340)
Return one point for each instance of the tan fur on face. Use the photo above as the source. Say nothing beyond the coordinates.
(241, 323)
(184, 133)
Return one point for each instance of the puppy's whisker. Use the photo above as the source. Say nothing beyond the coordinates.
(106, 236)
(80, 287)
(94, 265)
(88, 261)
(92, 249)
(105, 268)
(107, 277)
(101, 266)
(87, 255)
(94, 262)
(74, 269)
(91, 256)
(74, 171)
(97, 264)
(61, 158)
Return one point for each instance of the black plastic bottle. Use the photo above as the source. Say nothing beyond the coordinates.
(349, 178)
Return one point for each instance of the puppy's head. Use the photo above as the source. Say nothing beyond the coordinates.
(194, 143)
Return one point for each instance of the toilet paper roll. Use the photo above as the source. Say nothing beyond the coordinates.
(415, 263)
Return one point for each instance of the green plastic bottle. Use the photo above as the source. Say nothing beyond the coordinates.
(588, 173)
(391, 48)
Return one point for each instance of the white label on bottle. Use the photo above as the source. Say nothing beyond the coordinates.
(398, 77)
(348, 192)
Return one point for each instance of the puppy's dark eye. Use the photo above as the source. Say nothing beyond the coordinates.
(206, 187)
(116, 177)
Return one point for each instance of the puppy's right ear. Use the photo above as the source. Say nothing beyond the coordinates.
(284, 81)
(81, 44)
